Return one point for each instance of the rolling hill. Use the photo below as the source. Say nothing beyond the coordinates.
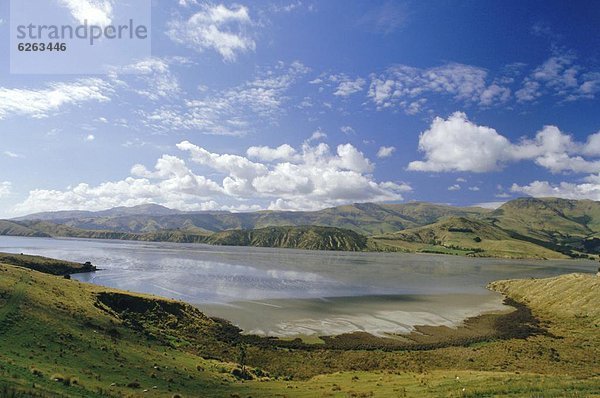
(305, 237)
(459, 235)
(559, 224)
(63, 338)
(522, 228)
(364, 218)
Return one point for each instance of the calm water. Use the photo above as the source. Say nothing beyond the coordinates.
(290, 292)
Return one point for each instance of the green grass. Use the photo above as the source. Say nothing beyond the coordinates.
(46, 265)
(463, 236)
(110, 342)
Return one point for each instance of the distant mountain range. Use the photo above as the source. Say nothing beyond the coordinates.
(522, 228)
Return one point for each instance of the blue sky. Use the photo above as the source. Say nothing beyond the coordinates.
(303, 105)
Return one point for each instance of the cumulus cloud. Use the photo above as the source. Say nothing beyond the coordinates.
(215, 27)
(457, 144)
(41, 103)
(566, 190)
(95, 12)
(5, 189)
(307, 178)
(90, 137)
(385, 151)
(171, 183)
(267, 154)
(318, 135)
(349, 87)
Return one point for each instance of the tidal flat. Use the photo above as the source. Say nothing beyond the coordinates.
(287, 293)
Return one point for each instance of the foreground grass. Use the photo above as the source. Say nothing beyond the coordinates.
(62, 338)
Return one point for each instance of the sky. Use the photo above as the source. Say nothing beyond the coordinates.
(303, 105)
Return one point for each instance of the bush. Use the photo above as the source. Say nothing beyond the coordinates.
(133, 384)
(36, 372)
(241, 374)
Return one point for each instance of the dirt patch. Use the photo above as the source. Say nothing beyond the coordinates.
(517, 324)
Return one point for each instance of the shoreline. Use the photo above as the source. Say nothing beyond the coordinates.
(388, 250)
(383, 252)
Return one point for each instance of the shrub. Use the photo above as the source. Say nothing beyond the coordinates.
(133, 384)
(36, 372)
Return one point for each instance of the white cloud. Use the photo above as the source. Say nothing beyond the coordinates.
(560, 76)
(460, 179)
(310, 178)
(318, 135)
(187, 3)
(216, 27)
(293, 6)
(592, 147)
(457, 144)
(489, 205)
(474, 189)
(564, 190)
(454, 187)
(95, 12)
(40, 103)
(406, 86)
(232, 111)
(171, 183)
(349, 87)
(385, 18)
(5, 189)
(385, 151)
(90, 137)
(12, 155)
(347, 130)
(158, 81)
(267, 154)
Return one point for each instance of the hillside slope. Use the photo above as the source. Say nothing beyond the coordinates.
(559, 224)
(567, 296)
(522, 228)
(11, 228)
(459, 235)
(305, 237)
(62, 338)
(364, 218)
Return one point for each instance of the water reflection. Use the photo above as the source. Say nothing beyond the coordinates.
(275, 291)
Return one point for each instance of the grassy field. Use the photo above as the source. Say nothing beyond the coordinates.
(63, 338)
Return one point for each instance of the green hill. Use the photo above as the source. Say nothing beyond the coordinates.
(559, 224)
(11, 228)
(364, 218)
(522, 228)
(305, 237)
(63, 338)
(459, 235)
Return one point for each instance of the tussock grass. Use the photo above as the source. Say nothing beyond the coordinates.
(101, 340)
